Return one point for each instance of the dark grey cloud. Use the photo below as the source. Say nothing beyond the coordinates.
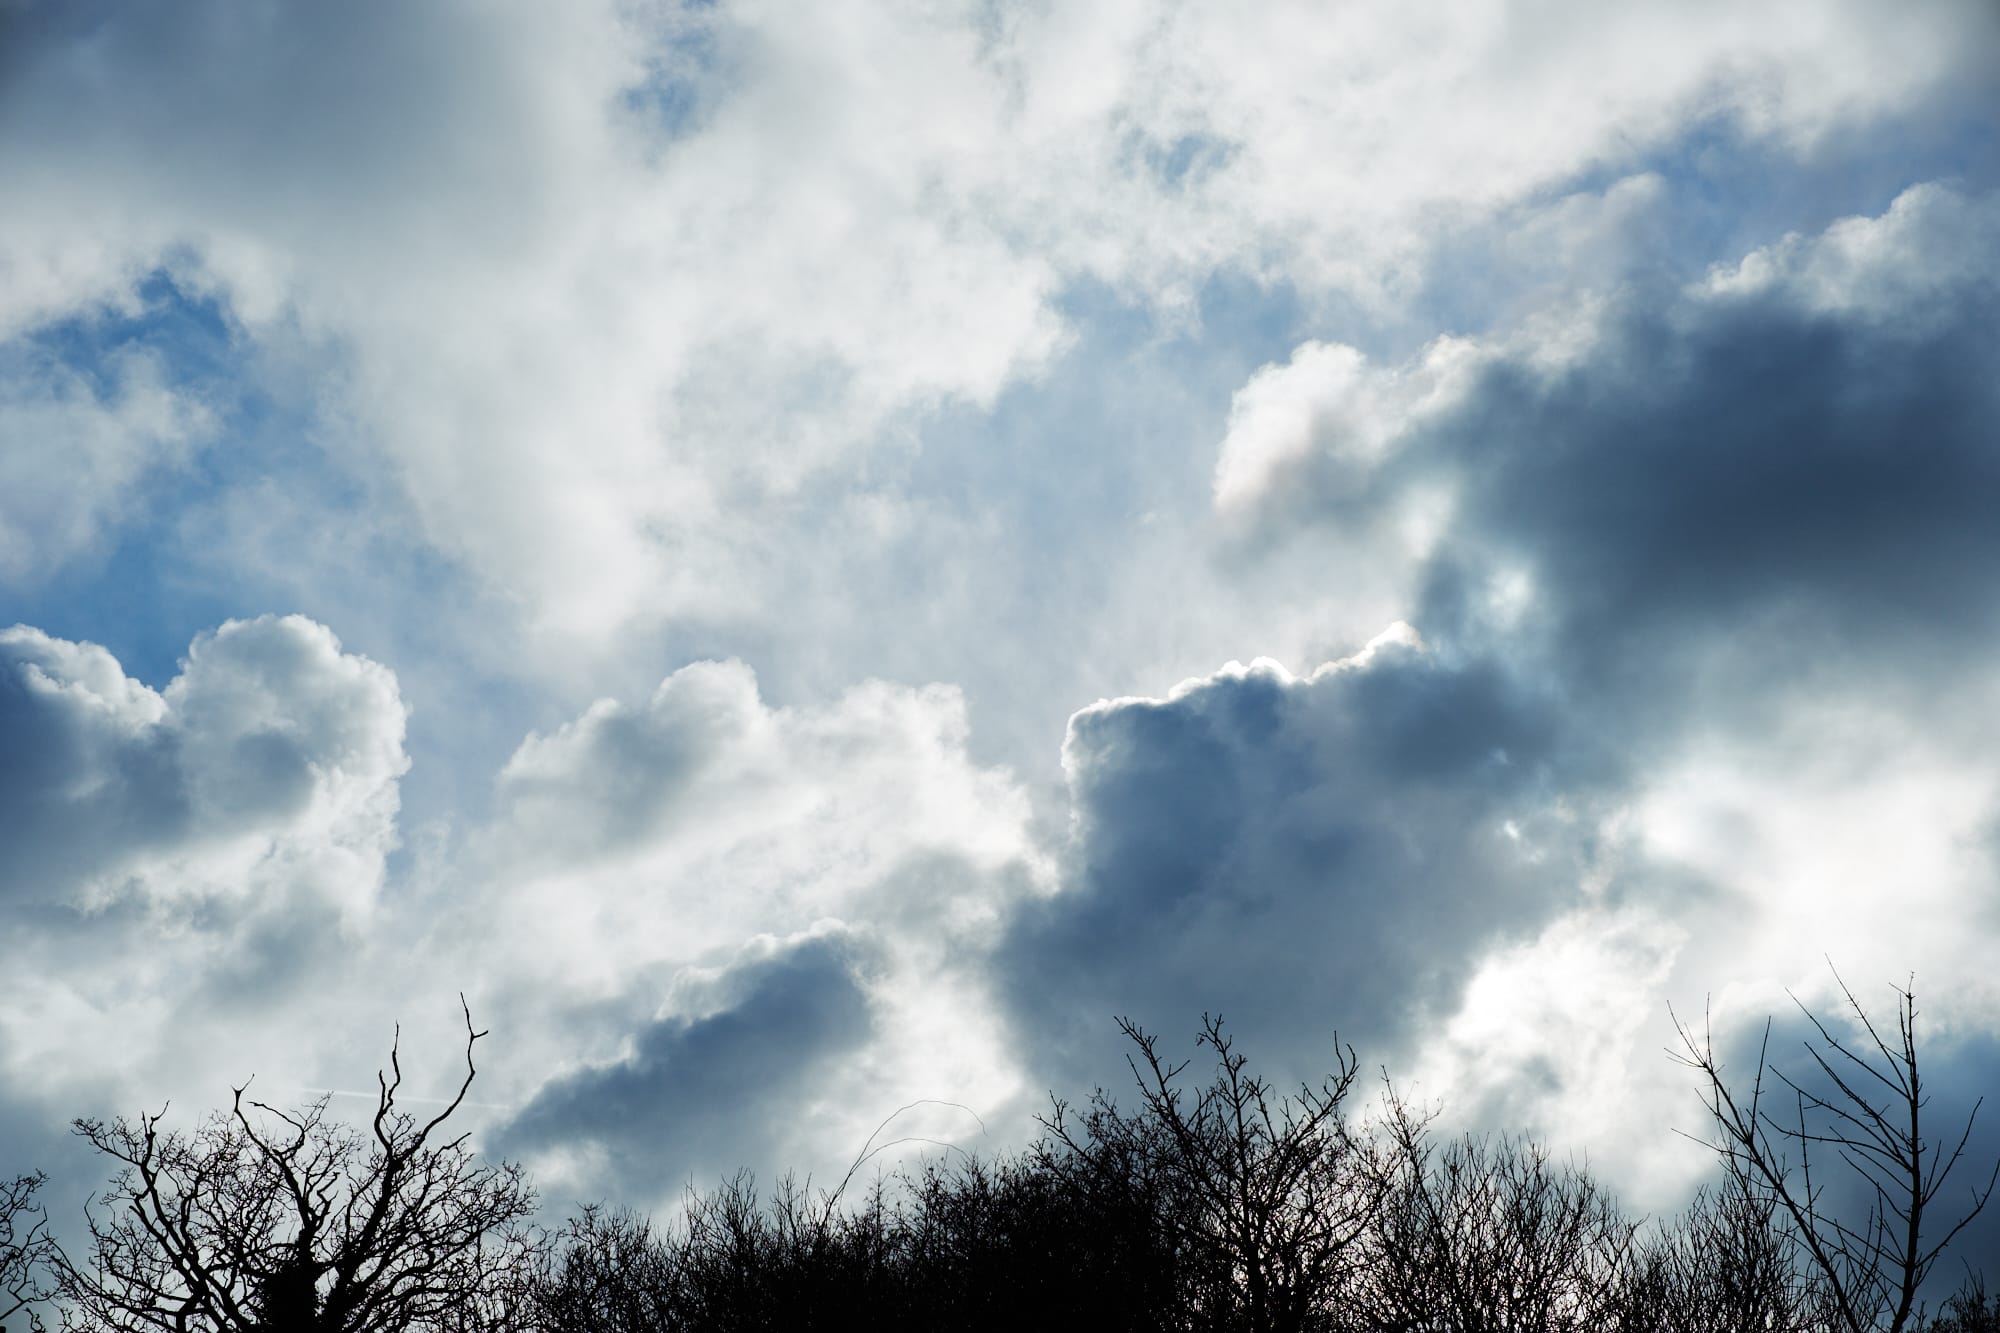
(1665, 513)
(1740, 535)
(72, 798)
(1765, 470)
(1787, 473)
(700, 1096)
(1300, 854)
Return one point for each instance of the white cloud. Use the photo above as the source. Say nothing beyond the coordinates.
(266, 769)
(603, 282)
(639, 850)
(1314, 436)
(1328, 150)
(645, 836)
(1563, 1036)
(225, 837)
(73, 455)
(1932, 250)
(191, 877)
(1328, 403)
(1847, 828)
(1836, 833)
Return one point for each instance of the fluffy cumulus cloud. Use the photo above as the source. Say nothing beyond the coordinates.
(704, 814)
(1306, 854)
(268, 766)
(690, 916)
(740, 908)
(209, 853)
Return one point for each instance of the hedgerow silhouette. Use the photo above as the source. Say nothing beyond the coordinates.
(1225, 1206)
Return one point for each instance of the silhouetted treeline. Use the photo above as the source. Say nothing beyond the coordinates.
(1222, 1206)
(981, 1245)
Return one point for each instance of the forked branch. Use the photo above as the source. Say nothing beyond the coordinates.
(1864, 1105)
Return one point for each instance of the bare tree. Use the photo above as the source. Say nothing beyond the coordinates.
(607, 1273)
(295, 1221)
(1488, 1234)
(1265, 1195)
(1863, 1109)
(1724, 1266)
(26, 1251)
(1968, 1310)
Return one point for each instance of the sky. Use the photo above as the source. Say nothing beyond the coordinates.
(805, 558)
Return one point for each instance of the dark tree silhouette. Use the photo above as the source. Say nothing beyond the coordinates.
(970, 1247)
(294, 1221)
(1864, 1109)
(794, 1263)
(1013, 1242)
(1485, 1233)
(1723, 1266)
(607, 1273)
(26, 1251)
(1266, 1197)
(1969, 1310)
(1223, 1208)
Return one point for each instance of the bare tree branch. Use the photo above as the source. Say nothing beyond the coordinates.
(293, 1220)
(27, 1252)
(1866, 1108)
